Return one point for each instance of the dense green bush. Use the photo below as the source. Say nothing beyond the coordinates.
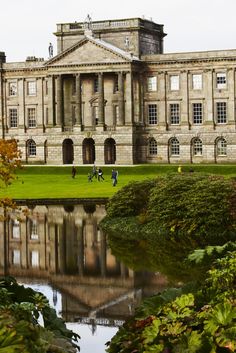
(181, 214)
(168, 218)
(199, 206)
(131, 200)
(20, 330)
(198, 319)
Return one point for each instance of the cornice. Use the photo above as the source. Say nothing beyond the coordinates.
(23, 69)
(91, 64)
(158, 63)
(189, 61)
(63, 66)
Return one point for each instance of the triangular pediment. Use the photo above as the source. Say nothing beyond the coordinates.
(90, 51)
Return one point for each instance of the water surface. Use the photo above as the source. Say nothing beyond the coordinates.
(61, 251)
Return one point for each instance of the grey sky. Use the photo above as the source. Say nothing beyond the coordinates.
(26, 26)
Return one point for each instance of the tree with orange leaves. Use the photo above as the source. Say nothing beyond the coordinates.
(10, 160)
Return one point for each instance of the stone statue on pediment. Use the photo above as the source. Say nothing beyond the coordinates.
(88, 22)
(50, 50)
(88, 26)
(127, 43)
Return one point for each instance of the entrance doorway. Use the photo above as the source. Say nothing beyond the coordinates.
(110, 151)
(68, 151)
(88, 151)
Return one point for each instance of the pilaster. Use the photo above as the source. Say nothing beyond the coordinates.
(121, 99)
(185, 98)
(59, 104)
(208, 88)
(80, 240)
(22, 108)
(162, 112)
(51, 101)
(78, 100)
(40, 110)
(100, 99)
(103, 254)
(129, 99)
(231, 90)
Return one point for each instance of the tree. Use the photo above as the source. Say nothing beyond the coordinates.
(10, 161)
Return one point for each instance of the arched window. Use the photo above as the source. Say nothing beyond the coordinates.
(68, 151)
(31, 148)
(174, 147)
(110, 151)
(221, 147)
(197, 147)
(152, 147)
(88, 151)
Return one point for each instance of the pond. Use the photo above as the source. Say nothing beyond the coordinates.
(61, 251)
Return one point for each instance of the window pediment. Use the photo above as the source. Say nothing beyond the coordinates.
(94, 101)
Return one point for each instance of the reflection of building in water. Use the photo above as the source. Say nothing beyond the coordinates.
(65, 246)
(56, 239)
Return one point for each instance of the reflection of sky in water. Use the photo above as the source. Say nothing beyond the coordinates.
(54, 297)
(90, 342)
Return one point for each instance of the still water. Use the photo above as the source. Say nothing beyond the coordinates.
(60, 251)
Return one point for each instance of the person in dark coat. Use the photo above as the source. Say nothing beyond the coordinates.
(94, 172)
(100, 174)
(73, 172)
(114, 175)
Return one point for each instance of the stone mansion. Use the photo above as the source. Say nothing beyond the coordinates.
(111, 96)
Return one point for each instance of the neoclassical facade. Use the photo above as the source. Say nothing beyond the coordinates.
(111, 96)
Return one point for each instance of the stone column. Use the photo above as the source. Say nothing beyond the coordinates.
(141, 98)
(22, 109)
(162, 112)
(62, 249)
(121, 120)
(40, 111)
(5, 120)
(100, 99)
(59, 89)
(129, 99)
(53, 236)
(185, 101)
(24, 241)
(208, 88)
(80, 240)
(51, 101)
(78, 115)
(103, 254)
(231, 102)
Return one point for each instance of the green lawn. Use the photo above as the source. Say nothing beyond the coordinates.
(36, 182)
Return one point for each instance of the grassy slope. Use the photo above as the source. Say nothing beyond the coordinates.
(56, 182)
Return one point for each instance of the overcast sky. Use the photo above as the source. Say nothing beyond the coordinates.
(27, 26)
